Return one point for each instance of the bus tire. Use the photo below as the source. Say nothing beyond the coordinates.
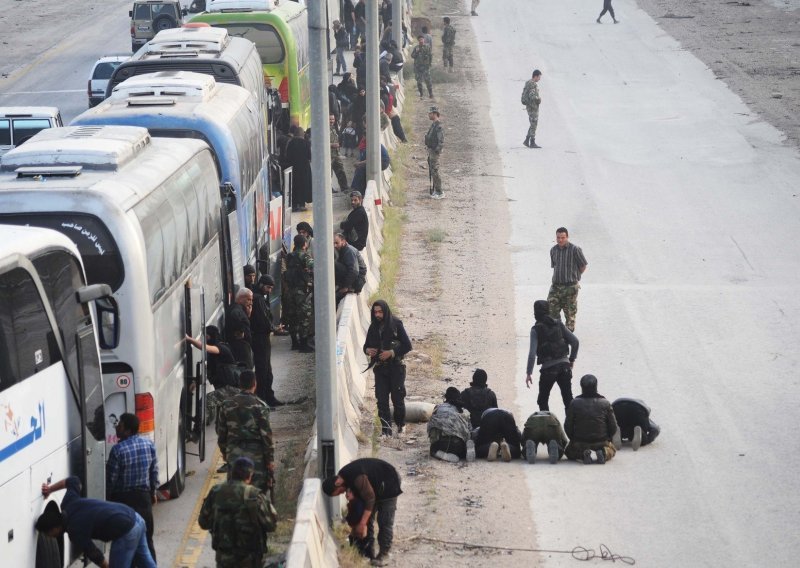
(178, 481)
(164, 22)
(48, 554)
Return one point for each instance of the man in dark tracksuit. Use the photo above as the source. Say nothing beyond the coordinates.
(498, 432)
(377, 484)
(386, 344)
(590, 425)
(635, 424)
(556, 348)
(261, 327)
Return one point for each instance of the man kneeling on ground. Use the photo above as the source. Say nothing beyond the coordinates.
(449, 429)
(544, 428)
(635, 424)
(498, 431)
(590, 425)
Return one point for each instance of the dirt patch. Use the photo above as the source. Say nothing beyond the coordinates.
(753, 46)
(456, 304)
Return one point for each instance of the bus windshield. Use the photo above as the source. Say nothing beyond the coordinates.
(268, 42)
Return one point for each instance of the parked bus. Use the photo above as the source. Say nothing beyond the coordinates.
(51, 395)
(281, 37)
(148, 220)
(203, 50)
(181, 104)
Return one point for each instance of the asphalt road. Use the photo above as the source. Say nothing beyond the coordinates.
(686, 207)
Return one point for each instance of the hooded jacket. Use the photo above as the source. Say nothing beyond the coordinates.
(590, 418)
(380, 335)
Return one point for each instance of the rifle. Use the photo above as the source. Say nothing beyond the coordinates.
(375, 359)
(430, 176)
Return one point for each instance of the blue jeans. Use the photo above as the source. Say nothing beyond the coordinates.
(132, 546)
(341, 64)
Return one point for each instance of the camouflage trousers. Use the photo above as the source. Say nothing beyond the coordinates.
(433, 168)
(475, 4)
(261, 475)
(575, 449)
(564, 297)
(447, 55)
(230, 560)
(423, 75)
(299, 313)
(533, 118)
(338, 169)
(215, 399)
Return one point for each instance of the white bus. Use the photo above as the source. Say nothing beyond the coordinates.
(51, 396)
(147, 218)
(182, 104)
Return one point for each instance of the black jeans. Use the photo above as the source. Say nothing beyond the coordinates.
(384, 512)
(607, 8)
(561, 374)
(390, 382)
(450, 445)
(262, 357)
(139, 501)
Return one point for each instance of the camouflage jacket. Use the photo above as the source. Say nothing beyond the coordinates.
(237, 515)
(334, 140)
(446, 420)
(244, 423)
(530, 94)
(434, 139)
(422, 56)
(449, 35)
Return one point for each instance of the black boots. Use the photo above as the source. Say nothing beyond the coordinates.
(533, 144)
(304, 346)
(527, 139)
(295, 342)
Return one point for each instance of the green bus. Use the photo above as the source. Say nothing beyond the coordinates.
(281, 38)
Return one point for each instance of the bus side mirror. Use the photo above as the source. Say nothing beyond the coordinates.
(228, 196)
(93, 292)
(108, 322)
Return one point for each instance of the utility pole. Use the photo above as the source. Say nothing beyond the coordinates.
(324, 304)
(373, 97)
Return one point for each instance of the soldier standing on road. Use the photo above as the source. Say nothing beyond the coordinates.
(238, 516)
(568, 264)
(299, 279)
(434, 141)
(475, 7)
(422, 57)
(607, 8)
(243, 430)
(531, 99)
(336, 160)
(448, 42)
(262, 327)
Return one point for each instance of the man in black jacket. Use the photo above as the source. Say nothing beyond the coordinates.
(377, 484)
(385, 345)
(356, 226)
(635, 424)
(346, 268)
(478, 397)
(262, 326)
(556, 348)
(237, 327)
(590, 425)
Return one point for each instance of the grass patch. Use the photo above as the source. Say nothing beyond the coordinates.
(287, 489)
(436, 348)
(375, 438)
(435, 236)
(347, 555)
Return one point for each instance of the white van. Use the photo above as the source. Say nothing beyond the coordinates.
(18, 124)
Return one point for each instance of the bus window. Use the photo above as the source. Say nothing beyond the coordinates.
(27, 343)
(269, 43)
(5, 133)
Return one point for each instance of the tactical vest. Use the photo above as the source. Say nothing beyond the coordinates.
(296, 276)
(551, 343)
(236, 527)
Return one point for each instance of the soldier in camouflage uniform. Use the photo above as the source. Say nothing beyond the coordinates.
(238, 516)
(448, 41)
(243, 430)
(299, 280)
(531, 99)
(422, 57)
(336, 160)
(434, 141)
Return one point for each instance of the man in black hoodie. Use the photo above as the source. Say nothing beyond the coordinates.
(356, 226)
(590, 425)
(478, 397)
(556, 348)
(386, 344)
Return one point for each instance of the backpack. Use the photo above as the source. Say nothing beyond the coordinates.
(551, 343)
(295, 275)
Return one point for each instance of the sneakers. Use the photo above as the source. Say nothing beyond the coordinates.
(552, 451)
(437, 195)
(470, 451)
(446, 456)
(587, 457)
(598, 20)
(530, 451)
(401, 430)
(636, 442)
(601, 456)
(381, 560)
(505, 451)
(492, 455)
(616, 439)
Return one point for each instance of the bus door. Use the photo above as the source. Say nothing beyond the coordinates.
(93, 417)
(195, 371)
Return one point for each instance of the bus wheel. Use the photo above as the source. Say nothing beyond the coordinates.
(178, 481)
(48, 554)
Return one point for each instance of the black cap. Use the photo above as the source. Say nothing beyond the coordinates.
(248, 269)
(266, 280)
(479, 378)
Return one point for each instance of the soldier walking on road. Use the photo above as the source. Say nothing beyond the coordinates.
(434, 141)
(243, 430)
(607, 8)
(422, 57)
(448, 42)
(336, 160)
(531, 99)
(239, 516)
(568, 264)
(475, 7)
